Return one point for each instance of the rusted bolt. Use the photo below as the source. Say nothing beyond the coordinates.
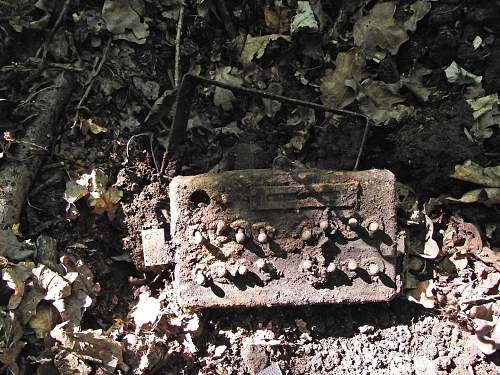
(200, 279)
(373, 269)
(240, 236)
(324, 224)
(242, 270)
(353, 222)
(262, 237)
(306, 234)
(260, 264)
(307, 264)
(331, 268)
(221, 226)
(198, 238)
(352, 265)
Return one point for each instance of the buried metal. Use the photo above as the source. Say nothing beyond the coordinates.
(312, 252)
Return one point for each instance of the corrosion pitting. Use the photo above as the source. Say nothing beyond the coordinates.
(284, 238)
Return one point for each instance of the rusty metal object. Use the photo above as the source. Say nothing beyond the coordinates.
(269, 237)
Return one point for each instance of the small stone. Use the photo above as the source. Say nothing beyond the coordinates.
(365, 329)
(240, 236)
(324, 225)
(306, 234)
(221, 226)
(352, 265)
(353, 222)
(242, 270)
(307, 264)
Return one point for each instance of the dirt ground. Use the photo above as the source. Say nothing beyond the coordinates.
(421, 149)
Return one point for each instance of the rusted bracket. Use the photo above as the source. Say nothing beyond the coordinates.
(185, 100)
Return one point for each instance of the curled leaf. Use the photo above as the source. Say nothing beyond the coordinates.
(422, 294)
(473, 172)
(304, 18)
(255, 47)
(123, 18)
(456, 74)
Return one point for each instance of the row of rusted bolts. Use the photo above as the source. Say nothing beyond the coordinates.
(267, 231)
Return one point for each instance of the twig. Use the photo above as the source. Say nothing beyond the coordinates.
(178, 36)
(362, 146)
(91, 80)
(45, 47)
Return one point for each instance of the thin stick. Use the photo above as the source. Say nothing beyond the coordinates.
(91, 80)
(178, 36)
(362, 146)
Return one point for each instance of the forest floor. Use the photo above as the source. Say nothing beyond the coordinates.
(425, 73)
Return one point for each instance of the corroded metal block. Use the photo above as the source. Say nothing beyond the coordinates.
(268, 237)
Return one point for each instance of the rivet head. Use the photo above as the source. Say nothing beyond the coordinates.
(200, 279)
(324, 225)
(373, 269)
(242, 270)
(352, 265)
(306, 234)
(198, 238)
(331, 268)
(262, 237)
(240, 236)
(307, 264)
(373, 227)
(353, 222)
(260, 264)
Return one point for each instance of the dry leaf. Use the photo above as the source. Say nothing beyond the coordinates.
(473, 172)
(147, 311)
(487, 196)
(15, 277)
(422, 294)
(55, 285)
(123, 18)
(13, 249)
(457, 74)
(43, 321)
(222, 97)
(304, 18)
(255, 47)
(276, 19)
(339, 87)
(87, 125)
(487, 335)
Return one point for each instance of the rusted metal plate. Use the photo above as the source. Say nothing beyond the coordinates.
(268, 237)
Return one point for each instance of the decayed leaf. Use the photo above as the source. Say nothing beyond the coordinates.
(12, 249)
(487, 335)
(15, 277)
(68, 363)
(27, 308)
(90, 345)
(487, 196)
(381, 102)
(124, 20)
(87, 125)
(422, 294)
(304, 18)
(431, 248)
(457, 74)
(413, 82)
(339, 87)
(473, 172)
(276, 19)
(55, 285)
(255, 47)
(43, 321)
(483, 127)
(379, 31)
(10, 333)
(482, 105)
(223, 97)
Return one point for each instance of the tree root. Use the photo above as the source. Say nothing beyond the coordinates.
(16, 175)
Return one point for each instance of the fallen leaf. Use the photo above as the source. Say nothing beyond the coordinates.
(90, 345)
(87, 125)
(413, 82)
(43, 321)
(381, 101)
(123, 19)
(418, 9)
(487, 335)
(477, 42)
(222, 97)
(482, 105)
(304, 18)
(422, 294)
(483, 127)
(68, 363)
(276, 19)
(339, 87)
(147, 310)
(472, 172)
(431, 248)
(13, 249)
(27, 308)
(15, 277)
(55, 286)
(255, 47)
(457, 74)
